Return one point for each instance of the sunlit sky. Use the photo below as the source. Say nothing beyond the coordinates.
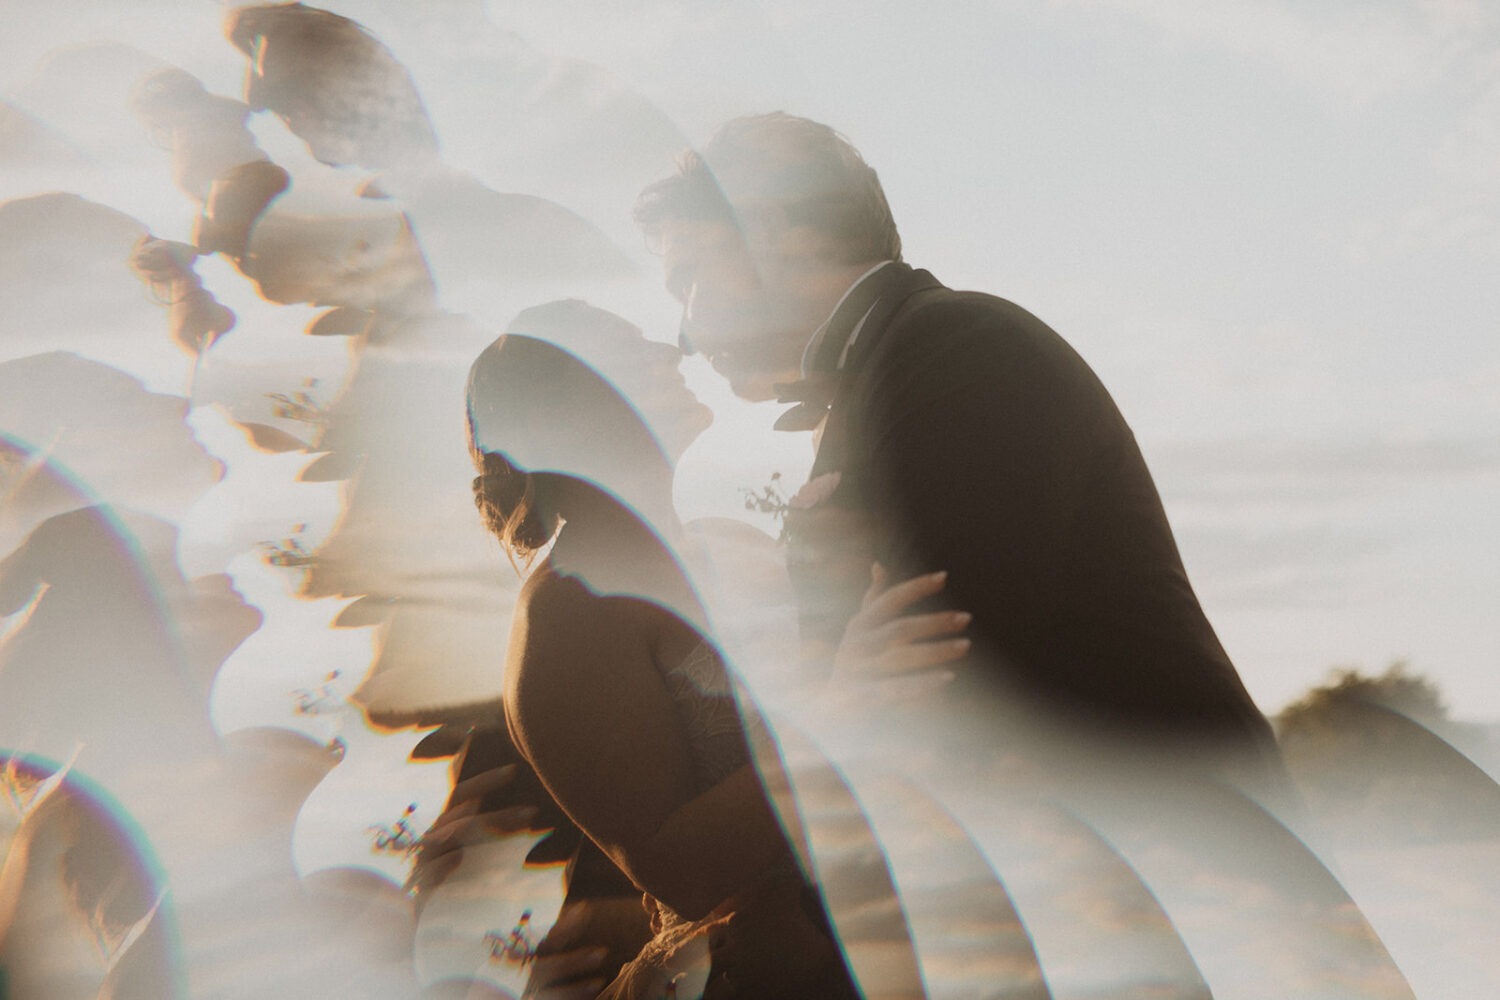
(1271, 228)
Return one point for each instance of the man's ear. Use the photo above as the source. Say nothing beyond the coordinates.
(807, 247)
(764, 228)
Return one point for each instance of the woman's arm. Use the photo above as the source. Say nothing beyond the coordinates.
(714, 845)
(588, 708)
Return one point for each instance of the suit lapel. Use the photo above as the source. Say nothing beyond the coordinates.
(834, 447)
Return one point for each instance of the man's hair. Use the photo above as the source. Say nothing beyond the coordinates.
(801, 170)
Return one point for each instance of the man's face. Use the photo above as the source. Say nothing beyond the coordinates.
(737, 308)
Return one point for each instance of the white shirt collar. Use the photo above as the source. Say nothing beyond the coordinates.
(822, 327)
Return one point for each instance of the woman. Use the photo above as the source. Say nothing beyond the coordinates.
(614, 696)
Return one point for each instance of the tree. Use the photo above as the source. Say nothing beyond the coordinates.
(1380, 757)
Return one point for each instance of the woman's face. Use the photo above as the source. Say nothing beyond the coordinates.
(661, 395)
(647, 373)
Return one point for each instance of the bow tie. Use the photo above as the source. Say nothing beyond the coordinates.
(813, 395)
(824, 358)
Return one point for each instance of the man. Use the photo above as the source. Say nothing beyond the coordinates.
(957, 432)
(1096, 725)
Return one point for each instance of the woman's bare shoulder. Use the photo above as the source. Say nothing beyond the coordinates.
(546, 591)
(549, 597)
(564, 634)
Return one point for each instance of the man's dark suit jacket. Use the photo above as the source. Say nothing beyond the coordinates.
(980, 443)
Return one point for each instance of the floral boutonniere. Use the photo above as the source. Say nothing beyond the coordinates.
(770, 499)
(810, 508)
(815, 491)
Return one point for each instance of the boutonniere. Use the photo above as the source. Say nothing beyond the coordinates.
(815, 491)
(768, 499)
(813, 395)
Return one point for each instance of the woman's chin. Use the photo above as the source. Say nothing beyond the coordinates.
(677, 429)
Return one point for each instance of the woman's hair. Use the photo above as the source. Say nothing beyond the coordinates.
(515, 506)
(539, 417)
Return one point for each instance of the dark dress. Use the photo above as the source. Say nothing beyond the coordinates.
(708, 957)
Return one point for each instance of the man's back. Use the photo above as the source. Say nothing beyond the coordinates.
(983, 445)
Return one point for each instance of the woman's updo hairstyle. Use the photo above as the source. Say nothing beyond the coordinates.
(515, 506)
(538, 417)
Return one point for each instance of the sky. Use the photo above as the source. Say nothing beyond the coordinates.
(1271, 227)
(1267, 227)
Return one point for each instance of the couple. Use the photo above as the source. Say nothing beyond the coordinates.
(956, 434)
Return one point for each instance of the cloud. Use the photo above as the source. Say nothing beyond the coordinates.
(1249, 471)
(1426, 63)
(1267, 523)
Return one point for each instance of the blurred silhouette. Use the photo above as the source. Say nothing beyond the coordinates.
(67, 285)
(342, 92)
(526, 118)
(29, 145)
(364, 248)
(196, 318)
(360, 207)
(334, 84)
(81, 91)
(293, 255)
(94, 467)
(96, 433)
(82, 909)
(105, 625)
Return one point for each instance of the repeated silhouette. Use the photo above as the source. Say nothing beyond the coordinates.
(207, 702)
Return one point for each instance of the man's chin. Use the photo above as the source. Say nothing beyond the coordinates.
(753, 388)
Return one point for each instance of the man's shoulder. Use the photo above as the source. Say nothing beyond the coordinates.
(941, 309)
(940, 344)
(937, 323)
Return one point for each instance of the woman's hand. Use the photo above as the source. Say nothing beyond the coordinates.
(572, 974)
(586, 947)
(885, 644)
(462, 824)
